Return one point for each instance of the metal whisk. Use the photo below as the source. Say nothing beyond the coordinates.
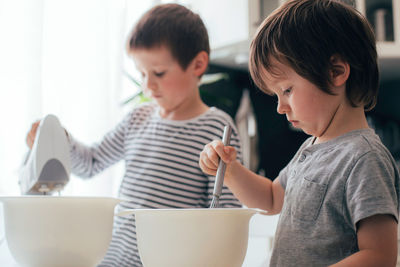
(219, 178)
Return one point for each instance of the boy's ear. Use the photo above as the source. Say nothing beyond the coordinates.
(339, 71)
(200, 63)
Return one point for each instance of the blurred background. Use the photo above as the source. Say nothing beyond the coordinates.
(68, 58)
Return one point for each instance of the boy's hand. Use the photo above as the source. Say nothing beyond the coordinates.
(30, 138)
(211, 154)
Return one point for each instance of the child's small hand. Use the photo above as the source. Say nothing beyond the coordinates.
(211, 154)
(30, 138)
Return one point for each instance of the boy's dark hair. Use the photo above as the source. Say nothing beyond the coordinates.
(179, 29)
(305, 34)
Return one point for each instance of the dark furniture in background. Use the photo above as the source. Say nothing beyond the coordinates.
(385, 117)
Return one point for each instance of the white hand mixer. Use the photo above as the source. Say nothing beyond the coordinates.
(47, 166)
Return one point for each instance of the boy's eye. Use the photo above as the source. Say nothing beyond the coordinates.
(159, 74)
(287, 91)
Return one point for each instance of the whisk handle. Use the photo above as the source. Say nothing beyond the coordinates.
(219, 178)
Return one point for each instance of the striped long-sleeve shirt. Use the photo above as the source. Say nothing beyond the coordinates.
(161, 168)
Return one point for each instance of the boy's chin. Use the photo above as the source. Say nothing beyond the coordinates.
(296, 127)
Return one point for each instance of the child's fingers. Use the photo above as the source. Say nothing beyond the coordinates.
(204, 165)
(230, 153)
(210, 156)
(212, 153)
(30, 138)
(218, 147)
(226, 153)
(206, 160)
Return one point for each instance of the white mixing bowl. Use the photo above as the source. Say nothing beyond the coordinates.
(192, 237)
(46, 231)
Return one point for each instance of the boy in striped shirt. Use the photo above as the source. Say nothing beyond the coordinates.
(160, 141)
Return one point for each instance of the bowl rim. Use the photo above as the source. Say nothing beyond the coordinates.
(129, 212)
(5, 199)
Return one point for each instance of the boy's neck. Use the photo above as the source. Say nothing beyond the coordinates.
(187, 110)
(346, 119)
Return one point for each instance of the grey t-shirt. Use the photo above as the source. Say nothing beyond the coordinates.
(329, 187)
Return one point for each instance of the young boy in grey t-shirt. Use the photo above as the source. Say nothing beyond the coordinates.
(339, 195)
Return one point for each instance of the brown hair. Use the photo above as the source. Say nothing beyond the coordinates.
(305, 34)
(179, 29)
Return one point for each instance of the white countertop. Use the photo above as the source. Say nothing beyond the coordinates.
(261, 233)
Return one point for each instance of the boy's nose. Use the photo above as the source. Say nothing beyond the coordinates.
(149, 84)
(282, 108)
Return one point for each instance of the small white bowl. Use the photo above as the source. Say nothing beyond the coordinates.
(192, 237)
(46, 231)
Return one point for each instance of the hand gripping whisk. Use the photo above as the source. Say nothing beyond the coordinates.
(219, 178)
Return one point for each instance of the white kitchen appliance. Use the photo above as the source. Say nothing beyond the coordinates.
(47, 166)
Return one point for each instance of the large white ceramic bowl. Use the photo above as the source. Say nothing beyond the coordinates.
(46, 231)
(192, 237)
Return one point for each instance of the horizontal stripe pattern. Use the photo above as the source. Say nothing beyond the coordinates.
(162, 170)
